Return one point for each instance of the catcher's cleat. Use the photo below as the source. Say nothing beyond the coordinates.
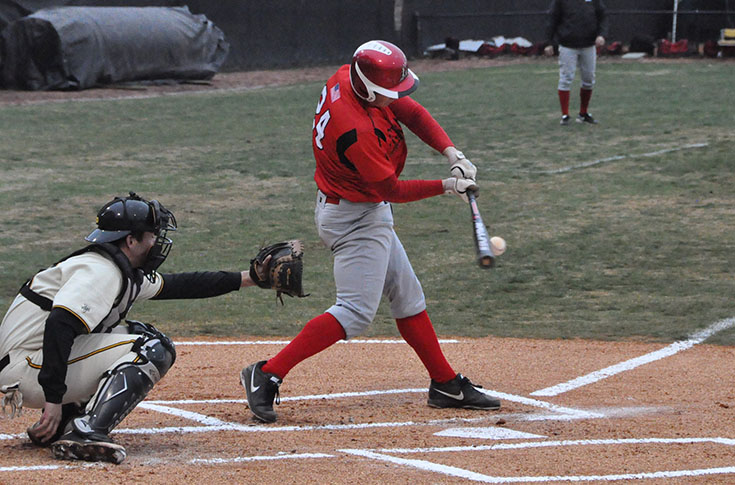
(96, 447)
(460, 393)
(261, 389)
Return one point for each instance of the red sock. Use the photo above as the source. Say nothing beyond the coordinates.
(564, 102)
(318, 334)
(420, 335)
(584, 100)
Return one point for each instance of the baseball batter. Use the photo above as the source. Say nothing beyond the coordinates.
(580, 27)
(360, 152)
(63, 348)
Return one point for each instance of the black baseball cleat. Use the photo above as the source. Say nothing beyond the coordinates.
(564, 120)
(460, 393)
(586, 118)
(262, 390)
(95, 447)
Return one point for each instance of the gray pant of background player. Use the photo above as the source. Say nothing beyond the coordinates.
(369, 261)
(569, 59)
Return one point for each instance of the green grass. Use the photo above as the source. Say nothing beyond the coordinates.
(638, 247)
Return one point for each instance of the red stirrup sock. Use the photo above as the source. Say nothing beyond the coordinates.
(584, 100)
(420, 335)
(318, 334)
(564, 102)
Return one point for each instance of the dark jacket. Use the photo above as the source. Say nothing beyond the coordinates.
(576, 23)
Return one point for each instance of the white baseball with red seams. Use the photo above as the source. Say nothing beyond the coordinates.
(498, 244)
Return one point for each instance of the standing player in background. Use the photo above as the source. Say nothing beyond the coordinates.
(62, 348)
(360, 151)
(580, 26)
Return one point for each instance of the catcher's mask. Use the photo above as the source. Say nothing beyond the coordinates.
(134, 215)
(381, 67)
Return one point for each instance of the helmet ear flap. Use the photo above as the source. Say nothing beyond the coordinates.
(379, 67)
(358, 84)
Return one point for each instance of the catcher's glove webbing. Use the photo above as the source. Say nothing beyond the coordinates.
(282, 272)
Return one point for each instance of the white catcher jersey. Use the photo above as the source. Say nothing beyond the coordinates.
(86, 285)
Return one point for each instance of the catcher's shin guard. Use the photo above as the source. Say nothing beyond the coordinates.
(87, 437)
(126, 386)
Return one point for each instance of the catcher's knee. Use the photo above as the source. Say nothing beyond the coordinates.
(156, 352)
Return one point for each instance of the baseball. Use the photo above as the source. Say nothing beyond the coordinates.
(498, 244)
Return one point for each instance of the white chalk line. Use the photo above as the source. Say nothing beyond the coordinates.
(286, 342)
(243, 459)
(480, 477)
(558, 412)
(32, 468)
(196, 461)
(250, 428)
(312, 397)
(694, 339)
(554, 443)
(562, 411)
(578, 166)
(615, 158)
(212, 424)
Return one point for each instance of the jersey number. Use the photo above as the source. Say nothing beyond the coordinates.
(321, 124)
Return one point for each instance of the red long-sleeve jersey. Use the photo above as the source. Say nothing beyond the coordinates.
(360, 150)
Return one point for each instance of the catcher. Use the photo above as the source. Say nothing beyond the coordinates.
(66, 348)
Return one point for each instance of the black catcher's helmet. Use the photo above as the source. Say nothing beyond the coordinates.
(132, 215)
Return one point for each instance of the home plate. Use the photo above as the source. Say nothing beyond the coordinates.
(493, 433)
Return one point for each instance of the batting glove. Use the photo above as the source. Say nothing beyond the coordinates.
(453, 185)
(460, 166)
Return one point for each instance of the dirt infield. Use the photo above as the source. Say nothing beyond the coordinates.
(357, 413)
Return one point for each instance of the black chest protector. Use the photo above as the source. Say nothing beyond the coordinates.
(131, 281)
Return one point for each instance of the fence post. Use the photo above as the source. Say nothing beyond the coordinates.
(673, 26)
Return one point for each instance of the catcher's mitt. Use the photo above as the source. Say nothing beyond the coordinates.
(279, 267)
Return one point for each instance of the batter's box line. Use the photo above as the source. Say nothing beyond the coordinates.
(195, 461)
(212, 424)
(564, 412)
(381, 455)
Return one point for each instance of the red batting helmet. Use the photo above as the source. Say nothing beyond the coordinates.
(381, 67)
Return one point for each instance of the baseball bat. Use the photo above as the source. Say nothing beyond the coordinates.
(485, 256)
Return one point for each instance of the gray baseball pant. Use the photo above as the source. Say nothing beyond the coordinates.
(569, 59)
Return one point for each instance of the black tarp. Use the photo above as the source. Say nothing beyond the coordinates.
(11, 10)
(82, 47)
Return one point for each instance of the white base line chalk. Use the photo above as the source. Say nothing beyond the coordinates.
(694, 339)
(618, 157)
(243, 459)
(479, 477)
